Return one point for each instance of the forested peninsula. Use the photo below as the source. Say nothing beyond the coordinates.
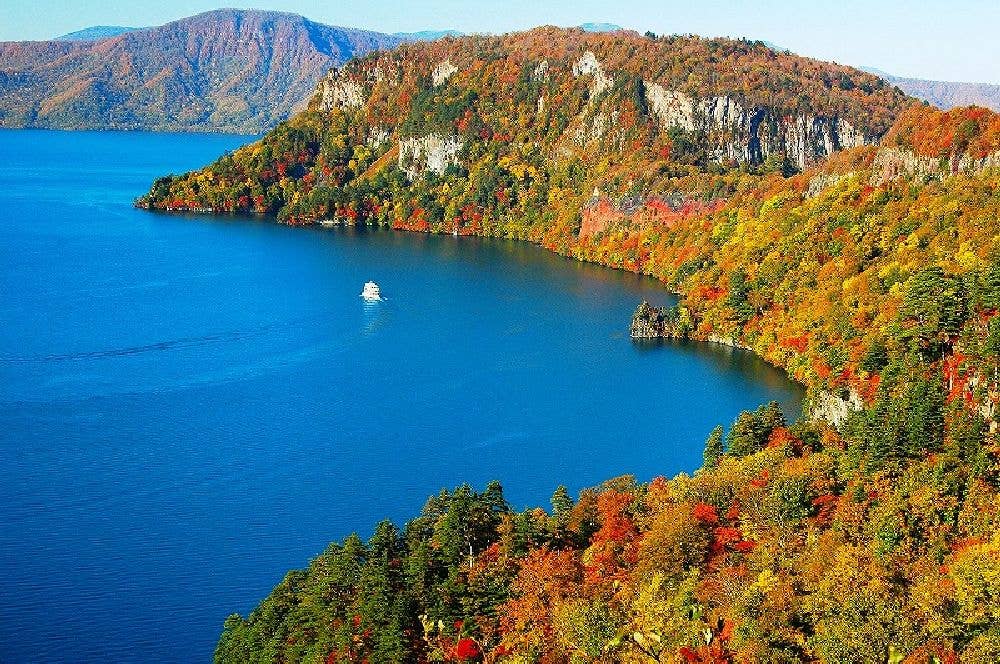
(807, 211)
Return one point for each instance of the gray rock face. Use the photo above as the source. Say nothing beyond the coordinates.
(589, 65)
(895, 162)
(833, 408)
(748, 135)
(338, 90)
(443, 72)
(432, 153)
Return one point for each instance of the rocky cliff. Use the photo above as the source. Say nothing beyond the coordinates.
(750, 134)
(649, 322)
(792, 110)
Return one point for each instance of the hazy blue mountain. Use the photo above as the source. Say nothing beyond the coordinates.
(426, 35)
(96, 33)
(600, 27)
(945, 94)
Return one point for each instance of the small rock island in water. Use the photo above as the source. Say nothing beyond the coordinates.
(649, 322)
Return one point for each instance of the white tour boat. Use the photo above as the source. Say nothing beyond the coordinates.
(371, 291)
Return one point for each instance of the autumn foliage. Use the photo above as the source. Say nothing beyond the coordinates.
(865, 532)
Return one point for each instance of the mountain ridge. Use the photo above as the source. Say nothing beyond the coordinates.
(225, 70)
(946, 94)
(93, 86)
(95, 33)
(867, 268)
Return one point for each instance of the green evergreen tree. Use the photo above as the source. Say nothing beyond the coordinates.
(924, 421)
(738, 297)
(383, 605)
(562, 506)
(714, 448)
(751, 430)
(743, 438)
(933, 310)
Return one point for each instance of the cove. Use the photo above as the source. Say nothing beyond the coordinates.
(191, 406)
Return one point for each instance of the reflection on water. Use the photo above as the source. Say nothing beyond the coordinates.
(728, 359)
(376, 315)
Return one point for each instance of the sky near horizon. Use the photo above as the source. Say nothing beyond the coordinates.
(953, 41)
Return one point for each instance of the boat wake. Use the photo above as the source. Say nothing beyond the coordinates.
(184, 342)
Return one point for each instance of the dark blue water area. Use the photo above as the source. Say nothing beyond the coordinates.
(191, 406)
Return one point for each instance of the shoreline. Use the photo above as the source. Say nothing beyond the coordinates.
(817, 403)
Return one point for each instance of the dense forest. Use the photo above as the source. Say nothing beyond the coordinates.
(804, 210)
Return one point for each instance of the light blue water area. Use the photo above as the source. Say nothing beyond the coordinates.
(191, 406)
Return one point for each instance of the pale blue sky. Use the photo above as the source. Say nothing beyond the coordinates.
(956, 40)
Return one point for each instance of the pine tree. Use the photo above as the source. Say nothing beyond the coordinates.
(714, 448)
(743, 439)
(562, 506)
(924, 422)
(751, 430)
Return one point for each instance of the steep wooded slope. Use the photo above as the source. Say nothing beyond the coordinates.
(547, 113)
(877, 274)
(872, 274)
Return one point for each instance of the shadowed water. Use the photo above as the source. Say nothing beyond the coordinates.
(191, 406)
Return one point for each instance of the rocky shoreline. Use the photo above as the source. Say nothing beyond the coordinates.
(649, 322)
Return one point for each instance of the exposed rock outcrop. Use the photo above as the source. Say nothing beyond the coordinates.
(601, 213)
(432, 153)
(541, 71)
(443, 72)
(892, 163)
(749, 134)
(589, 65)
(339, 90)
(833, 408)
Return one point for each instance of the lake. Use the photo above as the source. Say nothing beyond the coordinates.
(191, 406)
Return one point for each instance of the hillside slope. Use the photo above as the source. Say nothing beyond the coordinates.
(225, 70)
(549, 107)
(806, 211)
(875, 274)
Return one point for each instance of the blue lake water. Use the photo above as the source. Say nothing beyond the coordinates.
(191, 406)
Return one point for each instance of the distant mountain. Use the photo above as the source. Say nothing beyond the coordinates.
(426, 35)
(600, 27)
(225, 70)
(96, 33)
(945, 94)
